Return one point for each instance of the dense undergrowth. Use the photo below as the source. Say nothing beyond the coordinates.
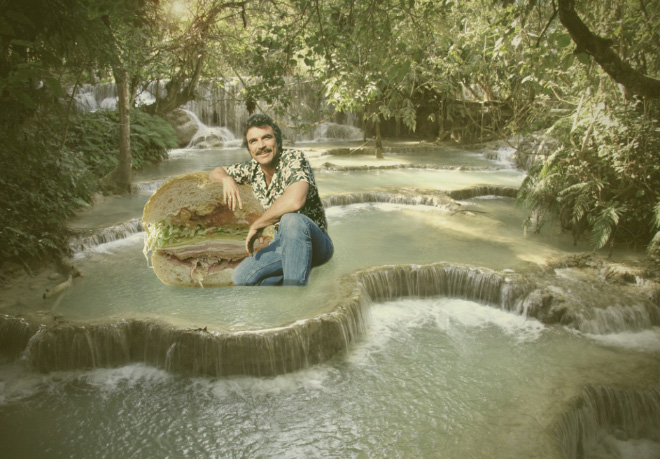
(603, 181)
(48, 173)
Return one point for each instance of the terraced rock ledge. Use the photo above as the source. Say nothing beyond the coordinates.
(47, 343)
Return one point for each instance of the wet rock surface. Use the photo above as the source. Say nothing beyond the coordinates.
(184, 126)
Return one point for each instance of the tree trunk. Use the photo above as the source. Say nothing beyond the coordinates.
(379, 141)
(119, 180)
(601, 50)
(180, 90)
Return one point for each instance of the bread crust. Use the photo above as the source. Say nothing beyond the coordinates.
(197, 193)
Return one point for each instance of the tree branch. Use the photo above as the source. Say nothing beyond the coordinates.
(601, 50)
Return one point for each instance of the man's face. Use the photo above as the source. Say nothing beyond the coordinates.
(262, 145)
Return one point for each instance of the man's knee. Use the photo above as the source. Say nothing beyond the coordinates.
(238, 276)
(243, 274)
(293, 224)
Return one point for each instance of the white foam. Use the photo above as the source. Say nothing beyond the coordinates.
(18, 384)
(612, 447)
(113, 379)
(314, 379)
(643, 341)
(109, 247)
(392, 319)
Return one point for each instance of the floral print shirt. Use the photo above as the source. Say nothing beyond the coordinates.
(292, 167)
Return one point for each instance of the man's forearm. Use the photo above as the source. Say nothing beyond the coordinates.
(292, 200)
(218, 174)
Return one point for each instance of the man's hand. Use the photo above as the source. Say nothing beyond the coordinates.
(230, 192)
(253, 235)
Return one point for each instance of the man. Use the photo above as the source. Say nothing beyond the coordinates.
(284, 183)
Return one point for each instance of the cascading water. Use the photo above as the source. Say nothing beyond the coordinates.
(610, 422)
(211, 137)
(220, 112)
(430, 332)
(90, 98)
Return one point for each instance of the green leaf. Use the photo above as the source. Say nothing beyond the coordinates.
(25, 99)
(583, 57)
(403, 71)
(24, 43)
(19, 17)
(564, 40)
(55, 86)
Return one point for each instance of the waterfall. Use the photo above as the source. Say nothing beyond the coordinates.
(588, 301)
(15, 333)
(147, 187)
(603, 416)
(439, 201)
(334, 131)
(220, 104)
(330, 167)
(211, 137)
(504, 155)
(93, 238)
(617, 318)
(533, 296)
(290, 347)
(469, 193)
(90, 98)
(86, 102)
(480, 285)
(67, 346)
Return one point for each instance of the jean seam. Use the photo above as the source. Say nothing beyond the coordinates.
(261, 268)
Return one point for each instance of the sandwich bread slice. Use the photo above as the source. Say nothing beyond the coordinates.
(192, 238)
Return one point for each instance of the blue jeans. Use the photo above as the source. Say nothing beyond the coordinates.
(298, 245)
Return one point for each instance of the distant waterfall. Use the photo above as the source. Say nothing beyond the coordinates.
(439, 201)
(603, 412)
(90, 98)
(211, 137)
(220, 103)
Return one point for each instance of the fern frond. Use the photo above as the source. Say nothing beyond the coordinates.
(654, 245)
(603, 227)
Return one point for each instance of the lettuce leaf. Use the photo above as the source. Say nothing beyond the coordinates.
(161, 234)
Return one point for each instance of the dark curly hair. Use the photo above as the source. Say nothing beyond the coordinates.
(259, 120)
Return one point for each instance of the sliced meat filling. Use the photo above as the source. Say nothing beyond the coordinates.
(203, 265)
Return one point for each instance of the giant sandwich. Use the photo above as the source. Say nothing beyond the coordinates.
(194, 239)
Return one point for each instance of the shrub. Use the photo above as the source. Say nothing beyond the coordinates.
(43, 186)
(96, 136)
(605, 178)
(43, 183)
